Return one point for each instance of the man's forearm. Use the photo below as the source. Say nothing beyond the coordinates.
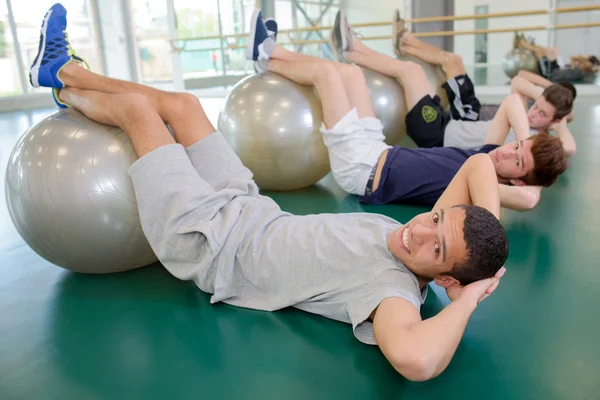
(517, 119)
(526, 89)
(535, 79)
(434, 341)
(519, 198)
(567, 139)
(510, 114)
(482, 182)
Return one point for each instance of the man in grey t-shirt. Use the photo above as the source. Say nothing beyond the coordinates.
(206, 221)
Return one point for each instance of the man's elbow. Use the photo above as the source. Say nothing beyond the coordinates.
(530, 200)
(570, 149)
(514, 84)
(417, 368)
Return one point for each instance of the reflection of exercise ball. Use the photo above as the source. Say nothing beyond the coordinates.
(388, 101)
(70, 197)
(273, 125)
(519, 59)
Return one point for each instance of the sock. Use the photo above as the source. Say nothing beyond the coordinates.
(265, 49)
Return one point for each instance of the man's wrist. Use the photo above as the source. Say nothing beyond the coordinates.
(467, 303)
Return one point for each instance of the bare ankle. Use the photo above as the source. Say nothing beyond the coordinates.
(68, 73)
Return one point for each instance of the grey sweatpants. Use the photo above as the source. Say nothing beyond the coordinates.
(190, 202)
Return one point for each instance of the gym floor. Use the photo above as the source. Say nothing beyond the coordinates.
(146, 335)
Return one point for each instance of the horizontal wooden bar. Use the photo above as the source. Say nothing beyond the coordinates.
(414, 20)
(420, 34)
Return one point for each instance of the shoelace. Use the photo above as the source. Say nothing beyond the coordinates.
(71, 53)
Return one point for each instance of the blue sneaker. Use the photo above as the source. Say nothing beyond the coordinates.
(54, 51)
(59, 103)
(271, 26)
(260, 44)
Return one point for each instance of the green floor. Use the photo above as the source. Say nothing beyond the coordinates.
(146, 335)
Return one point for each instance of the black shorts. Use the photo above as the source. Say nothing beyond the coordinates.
(464, 105)
(426, 122)
(547, 67)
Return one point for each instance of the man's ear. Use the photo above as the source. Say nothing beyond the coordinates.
(446, 281)
(517, 182)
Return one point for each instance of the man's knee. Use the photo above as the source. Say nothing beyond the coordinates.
(131, 105)
(410, 72)
(327, 72)
(185, 101)
(453, 60)
(350, 71)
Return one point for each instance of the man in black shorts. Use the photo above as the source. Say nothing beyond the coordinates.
(427, 123)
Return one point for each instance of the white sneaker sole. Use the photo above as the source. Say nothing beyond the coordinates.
(252, 35)
(35, 68)
(343, 28)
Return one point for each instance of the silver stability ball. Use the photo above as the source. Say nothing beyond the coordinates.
(520, 59)
(71, 198)
(388, 102)
(273, 125)
(388, 97)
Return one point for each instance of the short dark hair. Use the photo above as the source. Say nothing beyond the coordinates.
(594, 60)
(570, 87)
(561, 98)
(549, 160)
(487, 246)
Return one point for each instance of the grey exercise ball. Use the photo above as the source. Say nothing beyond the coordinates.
(520, 59)
(389, 105)
(71, 199)
(273, 125)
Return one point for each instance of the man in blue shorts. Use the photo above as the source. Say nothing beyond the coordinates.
(363, 164)
(206, 221)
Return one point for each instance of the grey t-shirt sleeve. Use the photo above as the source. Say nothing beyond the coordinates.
(360, 308)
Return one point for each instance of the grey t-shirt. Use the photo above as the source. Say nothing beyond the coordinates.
(471, 134)
(242, 248)
(334, 265)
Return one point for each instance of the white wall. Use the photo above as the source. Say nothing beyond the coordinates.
(498, 43)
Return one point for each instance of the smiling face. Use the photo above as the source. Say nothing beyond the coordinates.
(541, 114)
(513, 160)
(431, 243)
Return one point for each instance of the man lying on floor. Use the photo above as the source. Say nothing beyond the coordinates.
(206, 221)
(363, 164)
